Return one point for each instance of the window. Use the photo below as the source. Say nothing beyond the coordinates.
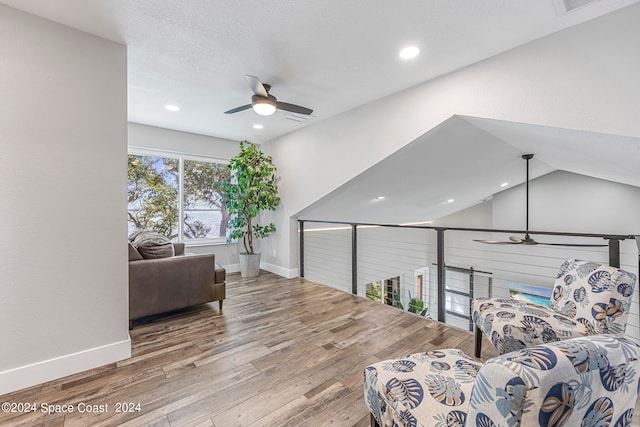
(203, 212)
(373, 291)
(386, 291)
(419, 286)
(177, 196)
(392, 292)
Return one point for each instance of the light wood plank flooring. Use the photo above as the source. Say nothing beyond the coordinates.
(282, 353)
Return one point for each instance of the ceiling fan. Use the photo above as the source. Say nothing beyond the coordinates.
(264, 103)
(527, 240)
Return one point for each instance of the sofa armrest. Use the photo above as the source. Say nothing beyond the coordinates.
(221, 274)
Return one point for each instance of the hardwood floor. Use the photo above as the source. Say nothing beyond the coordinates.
(282, 353)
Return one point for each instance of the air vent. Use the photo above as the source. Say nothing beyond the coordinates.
(298, 117)
(565, 6)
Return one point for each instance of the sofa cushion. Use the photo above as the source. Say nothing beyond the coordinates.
(152, 245)
(134, 255)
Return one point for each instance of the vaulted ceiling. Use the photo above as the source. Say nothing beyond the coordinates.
(464, 161)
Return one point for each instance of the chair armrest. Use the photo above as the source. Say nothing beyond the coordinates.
(567, 380)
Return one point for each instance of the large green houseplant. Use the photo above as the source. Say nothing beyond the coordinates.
(250, 189)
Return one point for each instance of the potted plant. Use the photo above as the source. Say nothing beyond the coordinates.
(250, 189)
(417, 306)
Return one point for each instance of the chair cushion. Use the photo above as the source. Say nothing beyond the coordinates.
(433, 387)
(513, 324)
(587, 299)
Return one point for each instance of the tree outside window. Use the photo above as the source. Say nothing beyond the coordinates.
(158, 186)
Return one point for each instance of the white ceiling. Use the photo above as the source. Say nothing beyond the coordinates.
(333, 56)
(329, 55)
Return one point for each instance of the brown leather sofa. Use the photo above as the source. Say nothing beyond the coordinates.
(171, 283)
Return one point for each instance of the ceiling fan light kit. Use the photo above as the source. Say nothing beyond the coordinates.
(264, 103)
(263, 106)
(527, 240)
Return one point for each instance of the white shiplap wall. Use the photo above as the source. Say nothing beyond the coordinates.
(327, 255)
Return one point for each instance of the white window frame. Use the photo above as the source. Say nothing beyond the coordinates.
(181, 157)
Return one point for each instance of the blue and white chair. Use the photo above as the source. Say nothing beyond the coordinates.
(587, 381)
(587, 299)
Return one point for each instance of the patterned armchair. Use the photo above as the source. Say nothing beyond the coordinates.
(587, 299)
(587, 381)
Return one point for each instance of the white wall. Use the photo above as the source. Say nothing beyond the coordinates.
(580, 78)
(564, 201)
(155, 138)
(477, 216)
(63, 262)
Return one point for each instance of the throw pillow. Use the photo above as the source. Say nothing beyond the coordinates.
(134, 255)
(152, 245)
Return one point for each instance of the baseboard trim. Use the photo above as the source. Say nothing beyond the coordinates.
(47, 370)
(232, 268)
(288, 273)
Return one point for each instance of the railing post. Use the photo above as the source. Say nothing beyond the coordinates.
(440, 263)
(471, 296)
(301, 249)
(354, 259)
(614, 253)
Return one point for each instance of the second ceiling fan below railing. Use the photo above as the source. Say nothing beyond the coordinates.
(527, 240)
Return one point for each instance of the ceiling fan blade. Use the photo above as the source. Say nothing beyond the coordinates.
(293, 108)
(256, 86)
(584, 245)
(497, 242)
(516, 239)
(235, 110)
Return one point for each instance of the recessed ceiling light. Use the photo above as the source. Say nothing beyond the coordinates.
(380, 198)
(409, 52)
(450, 201)
(258, 126)
(504, 184)
(172, 107)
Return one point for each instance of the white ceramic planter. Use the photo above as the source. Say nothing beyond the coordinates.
(249, 265)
